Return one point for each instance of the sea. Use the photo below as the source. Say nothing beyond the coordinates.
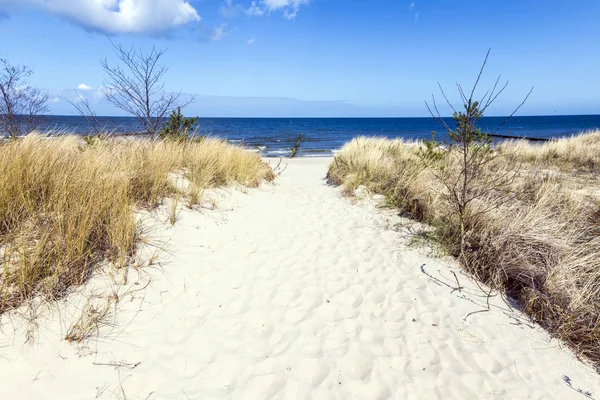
(275, 137)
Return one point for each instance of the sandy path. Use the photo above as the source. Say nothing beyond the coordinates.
(297, 294)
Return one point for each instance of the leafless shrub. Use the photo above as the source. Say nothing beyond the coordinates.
(85, 110)
(136, 86)
(459, 165)
(20, 104)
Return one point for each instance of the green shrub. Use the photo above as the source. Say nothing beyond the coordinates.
(179, 127)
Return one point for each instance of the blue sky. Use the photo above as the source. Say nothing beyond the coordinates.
(318, 57)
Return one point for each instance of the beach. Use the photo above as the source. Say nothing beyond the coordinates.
(288, 291)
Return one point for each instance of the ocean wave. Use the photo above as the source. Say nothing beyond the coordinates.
(277, 153)
(321, 154)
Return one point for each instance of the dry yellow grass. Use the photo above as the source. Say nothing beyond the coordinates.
(538, 239)
(375, 163)
(66, 205)
(580, 152)
(388, 167)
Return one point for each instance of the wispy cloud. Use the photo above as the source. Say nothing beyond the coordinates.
(251, 41)
(279, 4)
(413, 10)
(220, 32)
(291, 13)
(254, 10)
(229, 9)
(289, 8)
(83, 86)
(117, 16)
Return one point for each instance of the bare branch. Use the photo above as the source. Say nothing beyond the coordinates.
(469, 156)
(85, 110)
(438, 117)
(20, 104)
(446, 98)
(136, 86)
(514, 112)
(480, 73)
(493, 99)
(462, 94)
(483, 101)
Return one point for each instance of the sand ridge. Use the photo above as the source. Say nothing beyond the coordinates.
(291, 291)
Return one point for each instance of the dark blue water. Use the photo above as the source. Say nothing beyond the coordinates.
(276, 136)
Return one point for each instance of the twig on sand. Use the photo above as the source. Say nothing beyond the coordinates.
(585, 393)
(119, 364)
(278, 166)
(121, 384)
(100, 391)
(440, 282)
(458, 287)
(480, 311)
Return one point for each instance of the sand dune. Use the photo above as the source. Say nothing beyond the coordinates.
(292, 292)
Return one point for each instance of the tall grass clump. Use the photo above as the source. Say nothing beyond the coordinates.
(388, 167)
(67, 205)
(539, 242)
(580, 152)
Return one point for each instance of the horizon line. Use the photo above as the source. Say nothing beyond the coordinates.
(336, 117)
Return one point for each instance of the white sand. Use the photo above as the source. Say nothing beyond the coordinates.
(292, 292)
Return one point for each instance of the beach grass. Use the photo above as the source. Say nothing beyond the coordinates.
(537, 238)
(67, 205)
(580, 152)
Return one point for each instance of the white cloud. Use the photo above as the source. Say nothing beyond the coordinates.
(220, 32)
(417, 16)
(279, 4)
(288, 7)
(118, 16)
(412, 6)
(83, 86)
(230, 10)
(290, 14)
(255, 10)
(251, 41)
